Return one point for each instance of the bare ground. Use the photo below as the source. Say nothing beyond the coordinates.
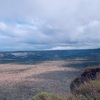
(20, 82)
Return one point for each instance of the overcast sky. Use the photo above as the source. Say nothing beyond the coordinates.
(49, 24)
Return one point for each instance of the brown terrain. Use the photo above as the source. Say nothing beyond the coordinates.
(20, 82)
(90, 73)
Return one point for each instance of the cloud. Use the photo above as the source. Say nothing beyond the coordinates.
(49, 24)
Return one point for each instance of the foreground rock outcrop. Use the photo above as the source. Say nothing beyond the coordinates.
(88, 74)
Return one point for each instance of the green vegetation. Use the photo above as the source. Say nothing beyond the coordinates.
(87, 91)
(45, 96)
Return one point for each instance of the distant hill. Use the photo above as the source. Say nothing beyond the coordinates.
(32, 56)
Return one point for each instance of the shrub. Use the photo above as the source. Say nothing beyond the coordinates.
(90, 90)
(79, 97)
(88, 84)
(91, 73)
(88, 75)
(45, 96)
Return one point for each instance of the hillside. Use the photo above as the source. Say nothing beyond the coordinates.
(24, 74)
(87, 84)
(33, 56)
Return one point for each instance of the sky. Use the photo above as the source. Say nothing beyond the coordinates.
(49, 24)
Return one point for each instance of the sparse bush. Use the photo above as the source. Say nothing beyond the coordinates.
(45, 96)
(91, 73)
(88, 75)
(48, 96)
(88, 84)
(78, 97)
(90, 90)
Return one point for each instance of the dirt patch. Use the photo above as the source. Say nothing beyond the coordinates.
(20, 82)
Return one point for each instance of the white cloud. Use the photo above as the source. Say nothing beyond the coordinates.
(44, 24)
(2, 26)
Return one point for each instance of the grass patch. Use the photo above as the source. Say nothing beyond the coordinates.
(45, 96)
(89, 90)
